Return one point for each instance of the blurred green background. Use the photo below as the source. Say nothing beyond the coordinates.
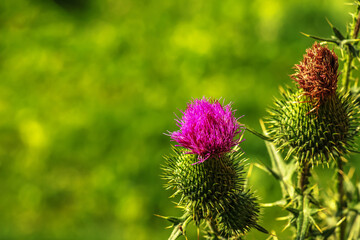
(88, 87)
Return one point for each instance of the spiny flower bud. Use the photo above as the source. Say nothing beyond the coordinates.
(212, 190)
(207, 129)
(241, 214)
(314, 138)
(203, 187)
(317, 74)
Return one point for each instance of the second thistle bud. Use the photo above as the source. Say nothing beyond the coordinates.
(316, 123)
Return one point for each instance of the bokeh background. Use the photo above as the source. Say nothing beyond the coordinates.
(88, 87)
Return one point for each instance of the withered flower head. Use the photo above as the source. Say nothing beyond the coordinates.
(317, 74)
(330, 132)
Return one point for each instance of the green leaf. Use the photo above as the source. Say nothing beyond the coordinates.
(337, 42)
(268, 170)
(279, 167)
(354, 232)
(263, 137)
(180, 228)
(280, 203)
(174, 220)
(337, 33)
(261, 229)
(293, 211)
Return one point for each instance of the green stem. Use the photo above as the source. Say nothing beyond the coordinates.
(304, 175)
(347, 75)
(342, 200)
(303, 221)
(356, 23)
(350, 57)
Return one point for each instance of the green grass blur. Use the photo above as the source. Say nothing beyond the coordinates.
(88, 87)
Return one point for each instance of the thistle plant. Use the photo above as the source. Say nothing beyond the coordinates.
(314, 122)
(317, 124)
(206, 171)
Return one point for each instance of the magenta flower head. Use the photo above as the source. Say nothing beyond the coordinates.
(207, 129)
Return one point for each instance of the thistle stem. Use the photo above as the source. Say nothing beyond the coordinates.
(304, 175)
(356, 24)
(350, 57)
(347, 68)
(342, 200)
(303, 220)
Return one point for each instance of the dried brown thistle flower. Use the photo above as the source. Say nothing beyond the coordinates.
(317, 74)
(330, 132)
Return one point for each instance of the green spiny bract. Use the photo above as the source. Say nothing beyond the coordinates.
(213, 190)
(314, 137)
(241, 214)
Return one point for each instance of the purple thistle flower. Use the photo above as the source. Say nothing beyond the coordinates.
(207, 129)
